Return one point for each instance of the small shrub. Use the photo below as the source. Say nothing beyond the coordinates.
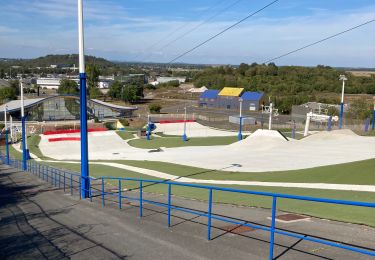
(110, 126)
(124, 122)
(154, 108)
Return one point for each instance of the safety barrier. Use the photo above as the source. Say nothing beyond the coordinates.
(72, 181)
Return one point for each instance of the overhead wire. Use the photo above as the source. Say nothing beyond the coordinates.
(223, 31)
(320, 41)
(156, 43)
(200, 24)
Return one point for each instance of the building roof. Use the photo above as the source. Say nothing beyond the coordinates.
(231, 92)
(210, 93)
(15, 105)
(252, 95)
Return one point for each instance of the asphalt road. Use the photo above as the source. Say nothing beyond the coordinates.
(38, 221)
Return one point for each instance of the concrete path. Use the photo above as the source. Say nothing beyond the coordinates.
(38, 221)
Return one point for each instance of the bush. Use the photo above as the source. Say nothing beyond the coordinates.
(155, 108)
(110, 125)
(124, 122)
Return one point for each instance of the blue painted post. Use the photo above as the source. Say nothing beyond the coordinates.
(148, 133)
(90, 192)
(24, 152)
(209, 215)
(169, 204)
(184, 137)
(80, 187)
(140, 199)
(240, 131)
(84, 141)
(71, 184)
(47, 173)
(54, 178)
(103, 192)
(273, 221)
(341, 114)
(373, 120)
(64, 180)
(367, 124)
(6, 147)
(330, 123)
(59, 174)
(119, 194)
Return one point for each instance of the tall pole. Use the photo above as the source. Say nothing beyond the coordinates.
(24, 136)
(270, 118)
(184, 137)
(83, 107)
(373, 117)
(6, 135)
(240, 130)
(148, 133)
(343, 78)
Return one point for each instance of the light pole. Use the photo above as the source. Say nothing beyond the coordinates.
(184, 137)
(343, 78)
(6, 135)
(148, 134)
(270, 118)
(85, 186)
(240, 130)
(24, 135)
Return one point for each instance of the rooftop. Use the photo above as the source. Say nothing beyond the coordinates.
(232, 92)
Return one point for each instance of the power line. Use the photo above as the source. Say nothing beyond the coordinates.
(223, 31)
(320, 41)
(179, 28)
(199, 25)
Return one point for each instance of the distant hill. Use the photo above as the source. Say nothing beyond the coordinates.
(46, 61)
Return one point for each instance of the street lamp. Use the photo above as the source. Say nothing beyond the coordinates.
(85, 187)
(25, 156)
(6, 135)
(184, 137)
(343, 78)
(270, 118)
(240, 130)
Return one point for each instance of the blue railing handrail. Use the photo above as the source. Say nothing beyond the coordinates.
(261, 193)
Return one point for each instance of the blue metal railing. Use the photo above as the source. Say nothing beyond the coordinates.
(58, 178)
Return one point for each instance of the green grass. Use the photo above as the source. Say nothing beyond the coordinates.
(360, 173)
(351, 173)
(126, 135)
(177, 142)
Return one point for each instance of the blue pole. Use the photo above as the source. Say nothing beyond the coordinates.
(373, 120)
(6, 147)
(24, 156)
(341, 114)
(169, 204)
(330, 123)
(84, 140)
(209, 215)
(273, 221)
(119, 194)
(140, 199)
(102, 192)
(240, 131)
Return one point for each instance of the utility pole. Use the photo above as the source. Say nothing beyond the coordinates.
(270, 118)
(184, 137)
(343, 78)
(85, 180)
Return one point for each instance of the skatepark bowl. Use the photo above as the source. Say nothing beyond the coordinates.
(68, 181)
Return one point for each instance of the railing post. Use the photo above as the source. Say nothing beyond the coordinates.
(59, 173)
(79, 184)
(64, 181)
(102, 192)
(71, 184)
(54, 176)
(209, 215)
(119, 194)
(140, 198)
(169, 204)
(90, 194)
(273, 221)
(47, 174)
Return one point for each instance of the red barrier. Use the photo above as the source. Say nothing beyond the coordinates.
(72, 131)
(175, 121)
(64, 139)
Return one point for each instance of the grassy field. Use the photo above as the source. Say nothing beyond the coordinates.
(126, 135)
(350, 173)
(177, 142)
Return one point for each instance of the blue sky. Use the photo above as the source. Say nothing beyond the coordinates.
(147, 30)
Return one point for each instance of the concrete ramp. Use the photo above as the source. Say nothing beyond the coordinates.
(193, 129)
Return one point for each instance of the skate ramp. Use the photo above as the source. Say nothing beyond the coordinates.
(193, 129)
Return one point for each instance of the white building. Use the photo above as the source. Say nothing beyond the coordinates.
(168, 79)
(51, 83)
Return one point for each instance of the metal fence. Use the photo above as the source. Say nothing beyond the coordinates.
(71, 182)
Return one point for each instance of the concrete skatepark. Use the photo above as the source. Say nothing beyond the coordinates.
(262, 151)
